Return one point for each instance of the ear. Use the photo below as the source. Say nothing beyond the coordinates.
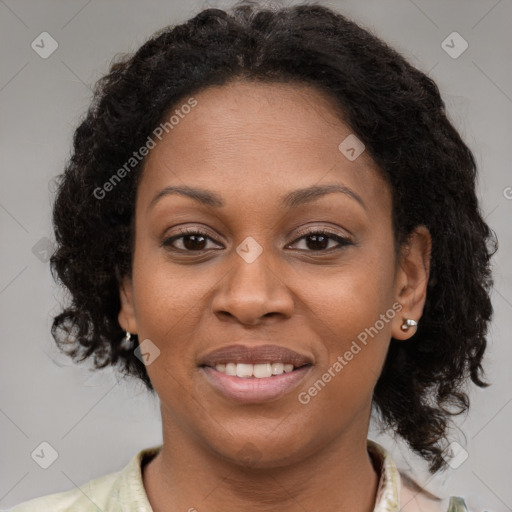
(126, 315)
(411, 280)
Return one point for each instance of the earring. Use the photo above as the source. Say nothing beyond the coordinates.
(126, 342)
(408, 323)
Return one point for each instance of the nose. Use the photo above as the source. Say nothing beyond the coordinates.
(252, 291)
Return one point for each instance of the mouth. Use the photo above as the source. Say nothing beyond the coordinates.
(254, 374)
(251, 389)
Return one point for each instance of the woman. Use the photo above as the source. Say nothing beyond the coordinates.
(269, 220)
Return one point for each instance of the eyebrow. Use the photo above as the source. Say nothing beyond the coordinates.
(290, 200)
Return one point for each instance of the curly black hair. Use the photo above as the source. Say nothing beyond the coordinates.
(394, 108)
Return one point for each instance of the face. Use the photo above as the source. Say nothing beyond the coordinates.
(270, 256)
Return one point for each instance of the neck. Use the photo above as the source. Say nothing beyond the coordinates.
(340, 476)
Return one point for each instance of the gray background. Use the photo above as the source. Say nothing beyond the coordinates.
(94, 420)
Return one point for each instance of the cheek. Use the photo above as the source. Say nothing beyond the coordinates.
(167, 295)
(168, 313)
(353, 316)
(168, 308)
(352, 297)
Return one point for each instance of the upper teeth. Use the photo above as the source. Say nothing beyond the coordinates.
(260, 371)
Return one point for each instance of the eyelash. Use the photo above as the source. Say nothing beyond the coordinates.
(342, 241)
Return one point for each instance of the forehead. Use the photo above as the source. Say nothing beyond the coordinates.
(251, 139)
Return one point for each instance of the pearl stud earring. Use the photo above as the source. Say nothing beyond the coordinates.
(408, 322)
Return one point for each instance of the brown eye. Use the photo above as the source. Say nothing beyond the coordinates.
(191, 241)
(319, 240)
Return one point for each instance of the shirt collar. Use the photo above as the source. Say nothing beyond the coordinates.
(388, 489)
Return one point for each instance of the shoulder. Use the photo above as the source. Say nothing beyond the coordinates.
(87, 498)
(416, 499)
(121, 490)
(398, 491)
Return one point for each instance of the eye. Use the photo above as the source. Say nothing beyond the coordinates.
(192, 240)
(318, 240)
(195, 240)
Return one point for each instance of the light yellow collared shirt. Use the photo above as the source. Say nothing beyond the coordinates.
(123, 491)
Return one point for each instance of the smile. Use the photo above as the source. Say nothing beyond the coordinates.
(254, 383)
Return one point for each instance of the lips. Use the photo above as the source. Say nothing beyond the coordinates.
(254, 354)
(254, 389)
